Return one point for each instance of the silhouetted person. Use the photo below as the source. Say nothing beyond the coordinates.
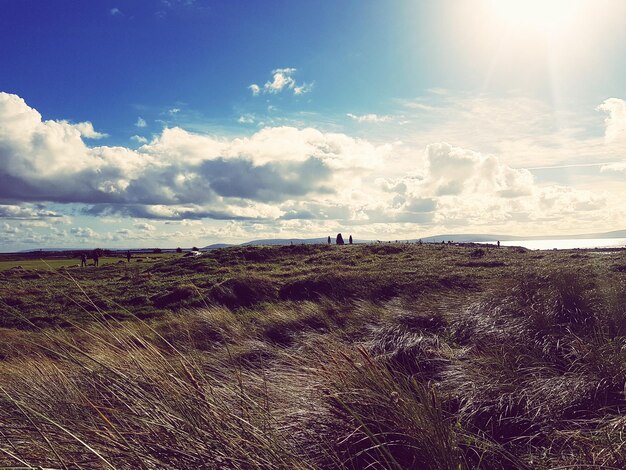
(128, 256)
(96, 258)
(340, 239)
(329, 239)
(498, 243)
(83, 260)
(350, 240)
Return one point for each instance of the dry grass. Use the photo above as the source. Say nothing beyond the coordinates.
(530, 374)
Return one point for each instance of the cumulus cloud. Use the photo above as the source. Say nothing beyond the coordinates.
(183, 172)
(369, 117)
(460, 188)
(141, 122)
(86, 130)
(139, 139)
(84, 232)
(22, 212)
(282, 79)
(145, 227)
(616, 120)
(457, 171)
(276, 180)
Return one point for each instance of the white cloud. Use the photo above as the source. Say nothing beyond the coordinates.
(84, 232)
(616, 119)
(286, 143)
(115, 11)
(255, 89)
(282, 79)
(86, 130)
(139, 139)
(369, 117)
(179, 174)
(281, 180)
(457, 171)
(26, 212)
(302, 89)
(141, 122)
(145, 227)
(173, 111)
(525, 132)
(246, 119)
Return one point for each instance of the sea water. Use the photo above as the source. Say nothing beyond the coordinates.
(568, 244)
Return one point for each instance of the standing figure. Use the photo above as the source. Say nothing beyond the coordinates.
(128, 256)
(340, 239)
(498, 243)
(329, 239)
(350, 240)
(83, 260)
(96, 257)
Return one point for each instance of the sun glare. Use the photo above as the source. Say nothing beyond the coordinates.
(548, 16)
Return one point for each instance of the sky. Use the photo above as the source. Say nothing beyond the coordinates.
(166, 123)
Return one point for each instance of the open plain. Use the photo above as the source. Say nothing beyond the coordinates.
(377, 356)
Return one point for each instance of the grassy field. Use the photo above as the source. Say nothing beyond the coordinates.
(373, 356)
(9, 261)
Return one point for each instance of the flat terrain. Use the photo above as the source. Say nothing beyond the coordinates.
(314, 356)
(46, 262)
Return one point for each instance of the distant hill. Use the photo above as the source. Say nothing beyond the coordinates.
(284, 241)
(216, 246)
(288, 241)
(455, 237)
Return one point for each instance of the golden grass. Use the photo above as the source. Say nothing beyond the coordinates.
(529, 376)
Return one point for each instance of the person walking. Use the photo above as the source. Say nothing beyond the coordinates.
(83, 260)
(96, 258)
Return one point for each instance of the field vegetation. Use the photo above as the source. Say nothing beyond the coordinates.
(364, 356)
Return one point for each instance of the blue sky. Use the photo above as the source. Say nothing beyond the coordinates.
(181, 122)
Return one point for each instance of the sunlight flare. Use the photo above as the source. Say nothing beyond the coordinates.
(548, 16)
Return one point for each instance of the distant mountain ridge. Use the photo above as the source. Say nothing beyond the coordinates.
(456, 238)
